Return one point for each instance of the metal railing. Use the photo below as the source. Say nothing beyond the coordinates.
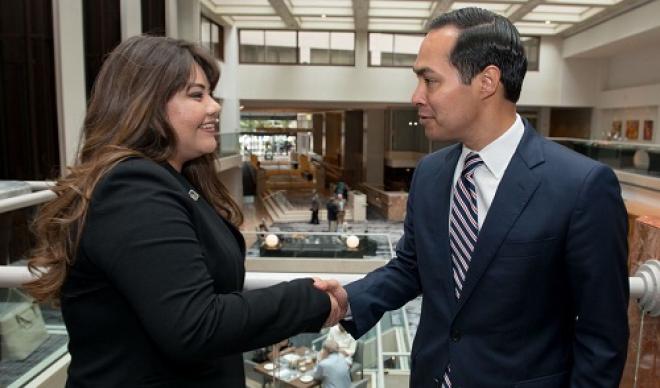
(26, 200)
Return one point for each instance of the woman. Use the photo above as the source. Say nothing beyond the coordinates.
(141, 246)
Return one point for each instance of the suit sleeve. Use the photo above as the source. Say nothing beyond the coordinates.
(391, 286)
(141, 234)
(596, 254)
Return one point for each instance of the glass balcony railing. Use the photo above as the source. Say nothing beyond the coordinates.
(638, 158)
(33, 338)
(320, 245)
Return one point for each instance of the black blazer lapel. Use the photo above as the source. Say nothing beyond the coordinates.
(514, 191)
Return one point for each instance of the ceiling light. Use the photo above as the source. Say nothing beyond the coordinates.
(322, 16)
(547, 22)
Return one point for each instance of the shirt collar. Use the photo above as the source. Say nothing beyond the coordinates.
(498, 153)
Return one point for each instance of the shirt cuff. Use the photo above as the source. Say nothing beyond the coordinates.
(349, 315)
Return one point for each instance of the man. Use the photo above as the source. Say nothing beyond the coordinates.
(332, 209)
(517, 244)
(341, 211)
(316, 204)
(332, 370)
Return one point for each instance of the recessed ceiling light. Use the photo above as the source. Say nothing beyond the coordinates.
(323, 16)
(547, 22)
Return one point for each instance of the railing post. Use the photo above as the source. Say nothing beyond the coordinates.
(645, 286)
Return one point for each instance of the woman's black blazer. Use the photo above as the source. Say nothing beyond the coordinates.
(153, 298)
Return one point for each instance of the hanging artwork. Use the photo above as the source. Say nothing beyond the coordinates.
(648, 129)
(632, 129)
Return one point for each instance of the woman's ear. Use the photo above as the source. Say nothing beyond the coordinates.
(490, 81)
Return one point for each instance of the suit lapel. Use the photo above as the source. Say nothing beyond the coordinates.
(514, 192)
(443, 183)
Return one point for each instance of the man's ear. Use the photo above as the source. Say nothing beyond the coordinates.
(489, 81)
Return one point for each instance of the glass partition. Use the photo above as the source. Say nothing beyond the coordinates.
(314, 47)
(322, 245)
(297, 47)
(281, 46)
(32, 336)
(637, 158)
(532, 46)
(397, 50)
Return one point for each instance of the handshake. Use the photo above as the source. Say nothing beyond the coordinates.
(338, 300)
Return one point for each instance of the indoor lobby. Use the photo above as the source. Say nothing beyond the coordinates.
(318, 144)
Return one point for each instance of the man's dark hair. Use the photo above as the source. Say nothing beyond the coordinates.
(486, 38)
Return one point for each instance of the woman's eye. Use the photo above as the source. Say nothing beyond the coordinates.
(197, 96)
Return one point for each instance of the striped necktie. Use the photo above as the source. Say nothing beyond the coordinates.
(463, 229)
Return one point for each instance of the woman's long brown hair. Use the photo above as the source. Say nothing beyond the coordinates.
(126, 117)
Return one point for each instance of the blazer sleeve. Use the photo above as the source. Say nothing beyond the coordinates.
(596, 254)
(391, 286)
(140, 232)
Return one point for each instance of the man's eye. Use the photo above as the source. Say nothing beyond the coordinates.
(428, 81)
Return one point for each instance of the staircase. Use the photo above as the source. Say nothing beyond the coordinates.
(281, 210)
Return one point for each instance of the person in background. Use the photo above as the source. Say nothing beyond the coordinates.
(342, 189)
(141, 246)
(341, 210)
(279, 349)
(263, 227)
(316, 204)
(333, 371)
(346, 344)
(332, 209)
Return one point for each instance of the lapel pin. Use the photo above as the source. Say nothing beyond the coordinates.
(193, 194)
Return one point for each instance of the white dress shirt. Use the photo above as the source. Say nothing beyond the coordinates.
(496, 157)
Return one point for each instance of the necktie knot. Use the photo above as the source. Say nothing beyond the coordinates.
(472, 161)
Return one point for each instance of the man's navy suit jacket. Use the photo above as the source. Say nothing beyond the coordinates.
(545, 299)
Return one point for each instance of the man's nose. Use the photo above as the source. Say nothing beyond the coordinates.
(418, 95)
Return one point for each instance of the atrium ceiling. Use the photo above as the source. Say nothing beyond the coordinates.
(531, 17)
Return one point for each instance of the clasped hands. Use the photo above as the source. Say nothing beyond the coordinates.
(338, 300)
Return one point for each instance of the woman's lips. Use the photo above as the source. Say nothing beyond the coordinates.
(209, 127)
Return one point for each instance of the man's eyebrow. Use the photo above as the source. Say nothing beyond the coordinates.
(420, 71)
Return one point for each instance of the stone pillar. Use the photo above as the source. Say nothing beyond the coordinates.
(644, 245)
